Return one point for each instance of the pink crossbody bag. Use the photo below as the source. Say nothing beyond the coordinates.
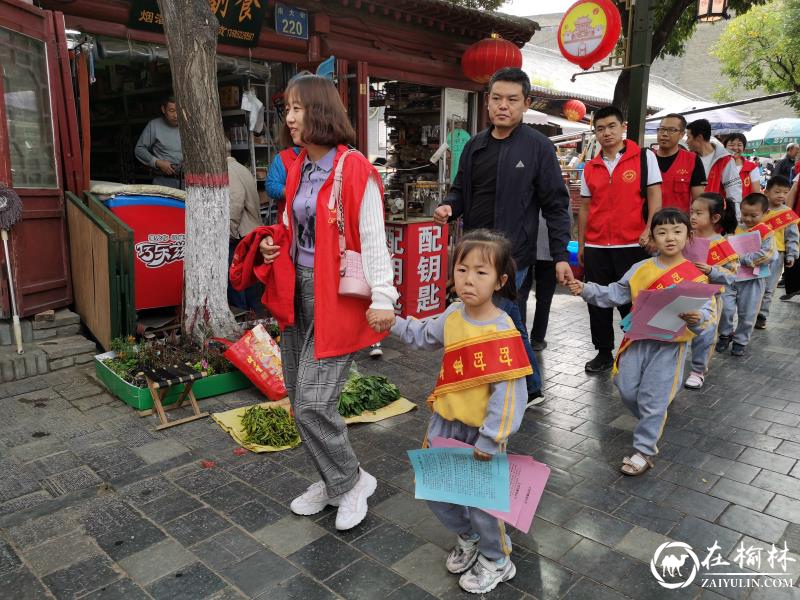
(352, 282)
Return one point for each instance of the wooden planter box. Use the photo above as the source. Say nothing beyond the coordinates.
(139, 398)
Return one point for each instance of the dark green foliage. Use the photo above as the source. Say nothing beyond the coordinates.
(272, 426)
(366, 393)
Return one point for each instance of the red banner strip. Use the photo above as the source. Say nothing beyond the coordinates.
(207, 179)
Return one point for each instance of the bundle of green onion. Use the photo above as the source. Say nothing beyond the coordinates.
(272, 426)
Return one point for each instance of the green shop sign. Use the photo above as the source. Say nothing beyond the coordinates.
(239, 20)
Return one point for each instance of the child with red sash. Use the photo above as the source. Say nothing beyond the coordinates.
(743, 298)
(782, 220)
(648, 372)
(711, 214)
(480, 395)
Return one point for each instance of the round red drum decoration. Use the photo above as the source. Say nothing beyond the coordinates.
(574, 110)
(589, 31)
(481, 60)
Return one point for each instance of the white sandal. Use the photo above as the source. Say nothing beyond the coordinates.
(636, 465)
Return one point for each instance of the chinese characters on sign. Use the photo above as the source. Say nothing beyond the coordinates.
(239, 20)
(291, 21)
(161, 249)
(419, 257)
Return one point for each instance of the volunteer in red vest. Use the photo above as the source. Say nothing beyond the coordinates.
(683, 177)
(612, 230)
(721, 172)
(749, 171)
(318, 349)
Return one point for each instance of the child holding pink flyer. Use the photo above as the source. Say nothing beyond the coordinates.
(648, 371)
(480, 395)
(712, 216)
(743, 298)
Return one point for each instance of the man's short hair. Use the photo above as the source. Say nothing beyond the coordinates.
(736, 136)
(791, 146)
(512, 75)
(700, 127)
(680, 118)
(757, 199)
(609, 111)
(170, 99)
(778, 180)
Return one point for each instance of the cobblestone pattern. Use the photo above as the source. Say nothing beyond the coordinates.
(96, 504)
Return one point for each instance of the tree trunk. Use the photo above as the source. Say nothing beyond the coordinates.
(191, 32)
(622, 92)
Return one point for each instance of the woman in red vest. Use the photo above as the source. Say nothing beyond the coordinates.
(318, 349)
(748, 170)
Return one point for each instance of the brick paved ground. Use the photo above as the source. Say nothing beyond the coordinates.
(95, 504)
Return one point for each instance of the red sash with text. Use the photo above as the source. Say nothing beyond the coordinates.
(721, 252)
(763, 229)
(498, 356)
(780, 220)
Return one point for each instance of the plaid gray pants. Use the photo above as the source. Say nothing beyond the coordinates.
(314, 387)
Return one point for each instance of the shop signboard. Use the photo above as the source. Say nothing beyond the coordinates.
(419, 261)
(291, 21)
(239, 20)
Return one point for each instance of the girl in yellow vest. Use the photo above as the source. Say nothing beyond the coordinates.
(648, 372)
(480, 395)
(712, 217)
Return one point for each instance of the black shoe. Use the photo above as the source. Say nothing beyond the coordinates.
(761, 322)
(538, 346)
(786, 297)
(781, 282)
(600, 363)
(723, 342)
(738, 349)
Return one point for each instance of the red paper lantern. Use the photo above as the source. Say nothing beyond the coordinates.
(574, 110)
(484, 58)
(589, 31)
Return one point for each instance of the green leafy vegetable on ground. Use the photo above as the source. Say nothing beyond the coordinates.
(365, 393)
(272, 426)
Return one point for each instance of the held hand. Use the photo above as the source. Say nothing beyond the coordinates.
(380, 320)
(563, 272)
(575, 286)
(692, 318)
(268, 250)
(703, 267)
(761, 261)
(442, 214)
(481, 455)
(165, 167)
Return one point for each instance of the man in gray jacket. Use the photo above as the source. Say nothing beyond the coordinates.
(159, 146)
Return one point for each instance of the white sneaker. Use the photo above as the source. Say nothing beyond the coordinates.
(463, 555)
(353, 504)
(375, 351)
(313, 500)
(534, 400)
(694, 381)
(485, 575)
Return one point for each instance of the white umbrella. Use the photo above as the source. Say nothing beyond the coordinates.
(534, 117)
(723, 120)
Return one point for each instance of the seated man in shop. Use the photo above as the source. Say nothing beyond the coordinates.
(159, 146)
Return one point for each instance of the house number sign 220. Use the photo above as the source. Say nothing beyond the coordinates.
(291, 21)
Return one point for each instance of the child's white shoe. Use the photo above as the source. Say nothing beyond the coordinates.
(486, 574)
(694, 381)
(463, 555)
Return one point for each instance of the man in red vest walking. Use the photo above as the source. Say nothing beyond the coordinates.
(614, 219)
(683, 177)
(721, 172)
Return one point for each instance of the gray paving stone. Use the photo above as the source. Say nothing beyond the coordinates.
(403, 510)
(9, 560)
(156, 561)
(753, 523)
(134, 537)
(81, 578)
(780, 484)
(21, 583)
(259, 572)
(364, 580)
(298, 587)
(586, 589)
(640, 543)
(742, 494)
(696, 503)
(170, 506)
(123, 589)
(22, 503)
(196, 526)
(597, 561)
(388, 543)
(226, 548)
(192, 582)
(61, 552)
(289, 534)
(425, 567)
(598, 526)
(160, 450)
(325, 556)
(767, 460)
(701, 534)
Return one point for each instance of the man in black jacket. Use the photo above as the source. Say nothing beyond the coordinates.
(785, 165)
(506, 175)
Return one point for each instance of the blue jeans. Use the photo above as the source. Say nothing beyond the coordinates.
(534, 380)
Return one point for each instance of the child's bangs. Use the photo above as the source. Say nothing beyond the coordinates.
(488, 251)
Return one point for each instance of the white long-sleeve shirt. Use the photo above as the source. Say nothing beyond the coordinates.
(374, 251)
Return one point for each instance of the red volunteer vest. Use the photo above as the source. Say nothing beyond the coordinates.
(715, 176)
(615, 212)
(340, 322)
(747, 183)
(287, 157)
(676, 184)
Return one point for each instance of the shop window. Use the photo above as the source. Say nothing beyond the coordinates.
(27, 104)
